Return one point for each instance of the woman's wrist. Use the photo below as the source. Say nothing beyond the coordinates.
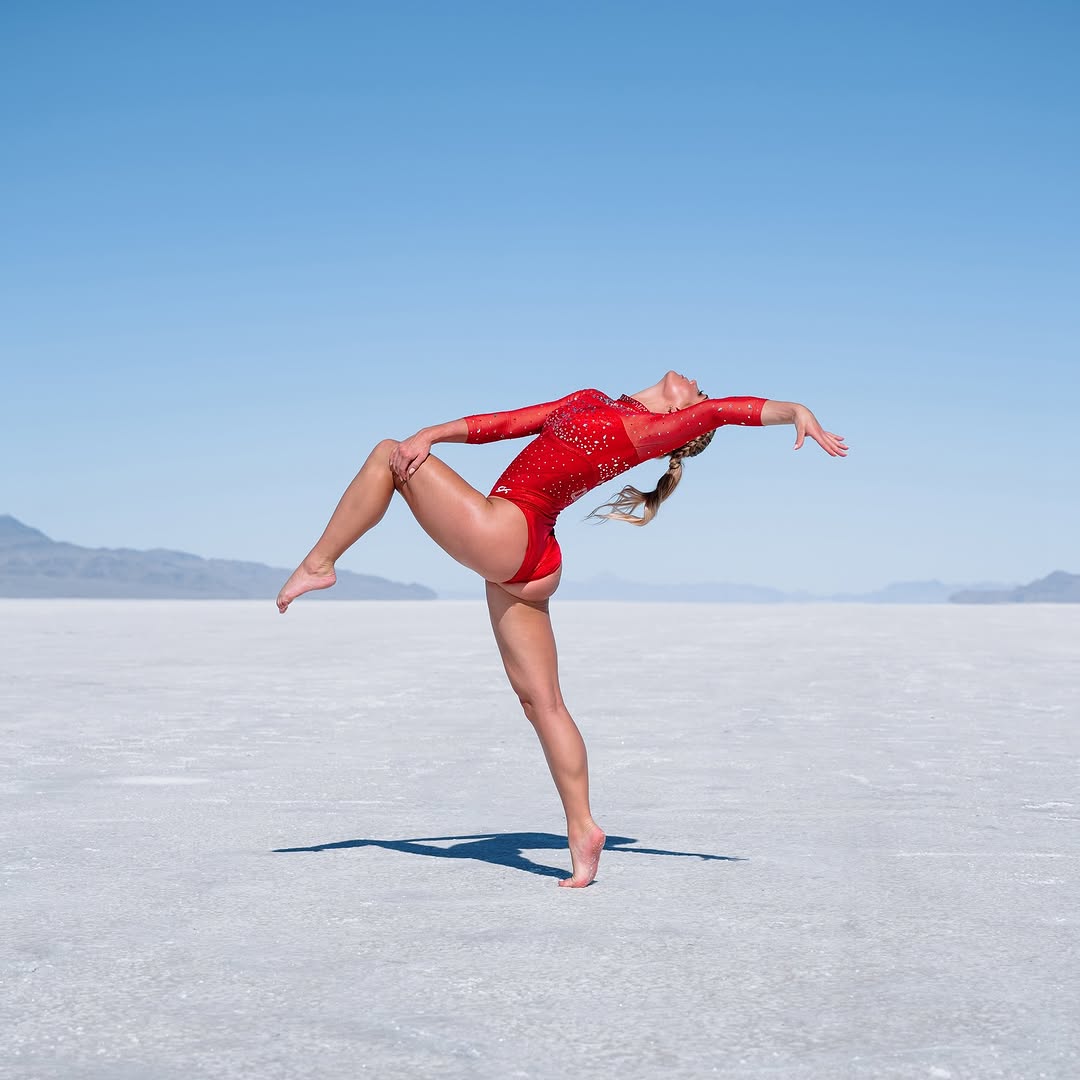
(779, 412)
(451, 431)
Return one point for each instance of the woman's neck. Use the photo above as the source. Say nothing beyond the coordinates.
(653, 399)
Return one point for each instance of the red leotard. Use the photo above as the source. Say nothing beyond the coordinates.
(584, 440)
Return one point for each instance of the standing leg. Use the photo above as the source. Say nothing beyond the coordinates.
(527, 645)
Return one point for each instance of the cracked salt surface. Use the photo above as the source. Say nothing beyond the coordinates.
(325, 845)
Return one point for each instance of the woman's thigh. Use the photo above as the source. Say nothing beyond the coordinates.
(486, 535)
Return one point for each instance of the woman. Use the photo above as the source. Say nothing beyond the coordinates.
(508, 538)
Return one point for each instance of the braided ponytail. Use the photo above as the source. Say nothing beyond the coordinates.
(623, 506)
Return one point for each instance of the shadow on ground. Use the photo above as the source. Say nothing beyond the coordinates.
(502, 849)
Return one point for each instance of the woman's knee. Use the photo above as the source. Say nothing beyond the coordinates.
(384, 449)
(538, 707)
(381, 454)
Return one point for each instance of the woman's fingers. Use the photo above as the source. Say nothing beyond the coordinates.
(831, 444)
(407, 457)
(401, 465)
(806, 425)
(404, 466)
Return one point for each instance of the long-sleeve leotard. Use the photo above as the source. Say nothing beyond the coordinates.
(587, 438)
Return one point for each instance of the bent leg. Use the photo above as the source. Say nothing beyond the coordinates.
(527, 646)
(486, 535)
(359, 509)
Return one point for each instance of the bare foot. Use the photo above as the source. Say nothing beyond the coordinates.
(585, 848)
(311, 574)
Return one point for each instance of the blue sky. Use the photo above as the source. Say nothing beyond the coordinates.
(243, 242)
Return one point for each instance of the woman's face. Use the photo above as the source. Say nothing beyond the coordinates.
(681, 391)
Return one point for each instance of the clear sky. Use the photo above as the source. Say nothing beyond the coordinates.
(242, 242)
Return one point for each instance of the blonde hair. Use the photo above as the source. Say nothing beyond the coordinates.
(623, 506)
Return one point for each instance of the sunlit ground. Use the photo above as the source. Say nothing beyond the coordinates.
(844, 842)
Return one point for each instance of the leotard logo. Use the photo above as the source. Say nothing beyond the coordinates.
(500, 489)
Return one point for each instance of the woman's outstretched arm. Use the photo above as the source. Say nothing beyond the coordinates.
(806, 424)
(655, 434)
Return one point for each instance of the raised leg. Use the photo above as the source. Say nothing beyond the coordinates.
(359, 509)
(527, 646)
(486, 535)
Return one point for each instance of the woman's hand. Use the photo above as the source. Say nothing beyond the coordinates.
(806, 424)
(409, 455)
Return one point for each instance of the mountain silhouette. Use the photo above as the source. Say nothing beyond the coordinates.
(1056, 588)
(33, 565)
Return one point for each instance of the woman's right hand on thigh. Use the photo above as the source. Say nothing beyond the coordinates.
(409, 455)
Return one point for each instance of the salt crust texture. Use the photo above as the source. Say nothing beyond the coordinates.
(886, 801)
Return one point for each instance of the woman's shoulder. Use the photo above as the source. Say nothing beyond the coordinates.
(599, 396)
(591, 397)
(587, 396)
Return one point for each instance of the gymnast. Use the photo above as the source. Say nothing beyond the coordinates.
(508, 537)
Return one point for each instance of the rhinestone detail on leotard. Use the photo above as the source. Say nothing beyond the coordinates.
(588, 438)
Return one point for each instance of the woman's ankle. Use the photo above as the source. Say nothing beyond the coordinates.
(316, 562)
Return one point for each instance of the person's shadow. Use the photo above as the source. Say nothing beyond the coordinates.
(502, 849)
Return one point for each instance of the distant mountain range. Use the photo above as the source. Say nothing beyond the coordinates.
(32, 565)
(609, 587)
(1056, 588)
